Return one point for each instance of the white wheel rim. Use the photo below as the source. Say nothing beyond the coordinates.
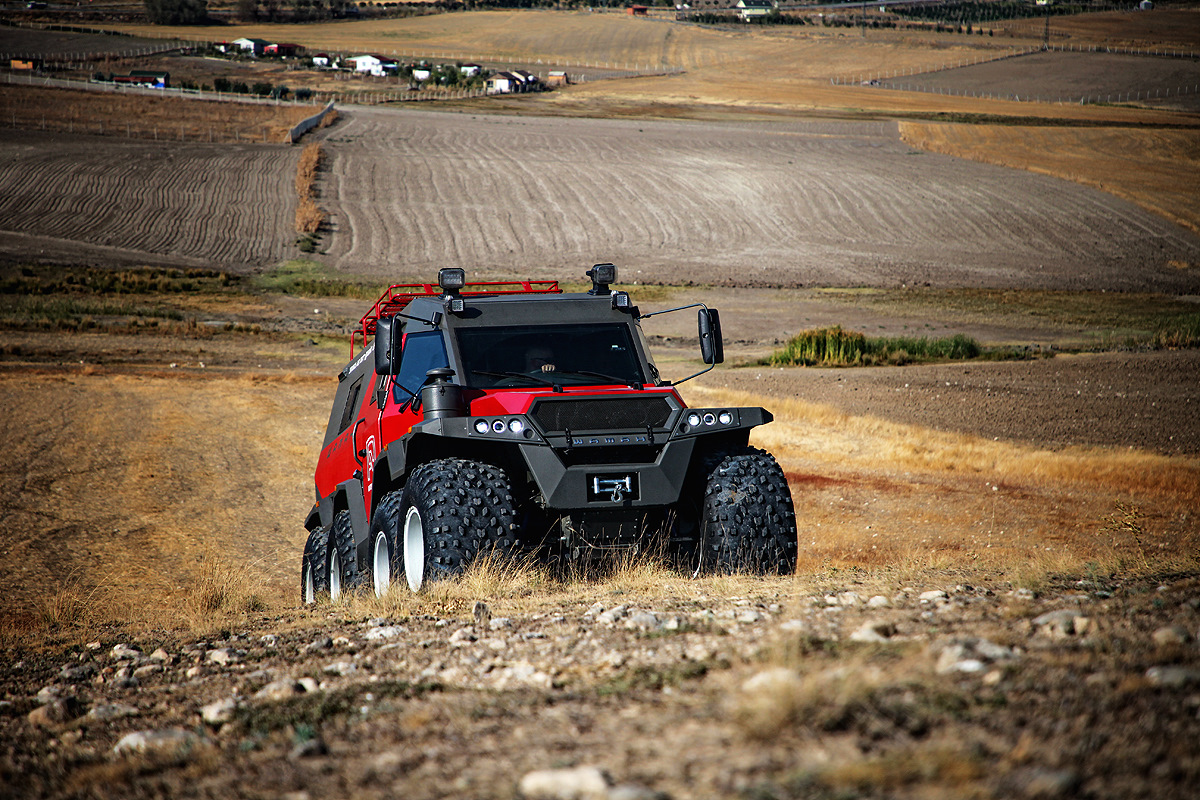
(310, 591)
(335, 574)
(414, 548)
(381, 565)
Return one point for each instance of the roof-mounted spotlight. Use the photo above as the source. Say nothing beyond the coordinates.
(451, 279)
(602, 275)
(620, 300)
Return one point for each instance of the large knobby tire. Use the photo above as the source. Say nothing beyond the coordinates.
(452, 511)
(387, 543)
(747, 521)
(342, 564)
(314, 580)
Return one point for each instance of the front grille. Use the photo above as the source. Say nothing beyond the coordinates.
(601, 414)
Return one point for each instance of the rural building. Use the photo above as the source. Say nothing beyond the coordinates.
(25, 63)
(502, 83)
(638, 11)
(754, 8)
(254, 47)
(283, 49)
(321, 60)
(470, 70)
(421, 73)
(373, 65)
(528, 79)
(145, 77)
(557, 78)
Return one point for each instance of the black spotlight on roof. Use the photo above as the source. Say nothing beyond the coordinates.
(451, 279)
(602, 275)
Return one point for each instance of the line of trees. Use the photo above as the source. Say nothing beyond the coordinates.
(177, 12)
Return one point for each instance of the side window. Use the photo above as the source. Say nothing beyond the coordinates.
(352, 398)
(423, 351)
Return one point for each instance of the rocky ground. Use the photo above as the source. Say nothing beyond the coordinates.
(645, 685)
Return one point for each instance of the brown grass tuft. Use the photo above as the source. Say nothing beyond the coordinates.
(309, 216)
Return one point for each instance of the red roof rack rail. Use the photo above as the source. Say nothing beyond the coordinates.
(399, 295)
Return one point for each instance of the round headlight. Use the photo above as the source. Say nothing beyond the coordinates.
(693, 419)
(516, 425)
(481, 426)
(498, 426)
(725, 418)
(709, 418)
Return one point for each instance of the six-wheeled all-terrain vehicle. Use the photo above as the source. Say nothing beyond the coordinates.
(511, 418)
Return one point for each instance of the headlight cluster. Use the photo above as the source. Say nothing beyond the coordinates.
(695, 419)
(514, 426)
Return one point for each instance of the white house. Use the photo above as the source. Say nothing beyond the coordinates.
(754, 8)
(470, 70)
(421, 73)
(373, 65)
(252, 46)
(321, 60)
(502, 83)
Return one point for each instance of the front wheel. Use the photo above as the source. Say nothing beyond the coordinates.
(747, 522)
(452, 511)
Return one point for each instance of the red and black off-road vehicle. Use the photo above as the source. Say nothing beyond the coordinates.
(510, 417)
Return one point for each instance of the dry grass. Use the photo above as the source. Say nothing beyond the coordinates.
(309, 216)
(1158, 170)
(143, 117)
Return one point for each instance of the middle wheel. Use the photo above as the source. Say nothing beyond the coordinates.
(452, 511)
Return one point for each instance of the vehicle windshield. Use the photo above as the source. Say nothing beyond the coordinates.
(547, 355)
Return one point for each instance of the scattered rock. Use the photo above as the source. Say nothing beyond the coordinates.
(342, 668)
(748, 616)
(111, 711)
(971, 655)
(384, 632)
(643, 621)
(879, 601)
(1173, 677)
(873, 631)
(320, 643)
(1039, 782)
(933, 596)
(1171, 635)
(849, 599)
(280, 690)
(462, 637)
(309, 749)
(223, 656)
(146, 670)
(500, 623)
(171, 742)
(772, 681)
(123, 652)
(161, 656)
(219, 712)
(124, 678)
(75, 673)
(58, 711)
(578, 783)
(1062, 624)
(613, 615)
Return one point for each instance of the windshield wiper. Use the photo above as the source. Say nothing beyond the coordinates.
(586, 373)
(520, 375)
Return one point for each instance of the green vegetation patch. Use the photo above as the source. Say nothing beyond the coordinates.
(312, 279)
(836, 347)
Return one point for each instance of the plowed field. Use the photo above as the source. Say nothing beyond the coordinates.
(170, 202)
(833, 203)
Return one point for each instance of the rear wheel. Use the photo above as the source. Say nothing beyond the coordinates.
(747, 522)
(314, 579)
(342, 566)
(452, 511)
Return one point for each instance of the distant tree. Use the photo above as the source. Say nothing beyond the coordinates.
(246, 10)
(177, 12)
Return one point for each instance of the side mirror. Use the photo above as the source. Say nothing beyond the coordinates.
(385, 361)
(712, 350)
